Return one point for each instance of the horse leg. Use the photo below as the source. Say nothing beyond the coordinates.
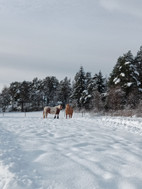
(55, 116)
(46, 114)
(58, 116)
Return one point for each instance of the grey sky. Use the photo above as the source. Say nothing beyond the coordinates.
(40, 38)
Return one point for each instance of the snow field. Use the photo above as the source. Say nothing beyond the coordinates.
(78, 153)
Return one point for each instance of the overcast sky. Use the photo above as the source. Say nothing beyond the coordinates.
(40, 38)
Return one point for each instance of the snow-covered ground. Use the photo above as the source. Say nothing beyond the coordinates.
(89, 152)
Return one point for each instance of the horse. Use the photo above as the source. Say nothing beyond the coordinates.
(52, 110)
(68, 111)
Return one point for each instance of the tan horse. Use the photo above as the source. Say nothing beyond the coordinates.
(52, 110)
(69, 111)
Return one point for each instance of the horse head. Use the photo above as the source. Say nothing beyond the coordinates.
(60, 107)
(67, 105)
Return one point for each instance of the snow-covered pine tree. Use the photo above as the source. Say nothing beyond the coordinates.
(138, 62)
(36, 94)
(134, 99)
(125, 77)
(78, 88)
(5, 99)
(99, 87)
(87, 92)
(50, 85)
(124, 74)
(99, 82)
(24, 95)
(14, 94)
(64, 91)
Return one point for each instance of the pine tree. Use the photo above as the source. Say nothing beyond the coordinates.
(124, 74)
(5, 99)
(36, 94)
(98, 88)
(138, 62)
(99, 82)
(50, 85)
(124, 78)
(24, 95)
(64, 91)
(14, 94)
(87, 93)
(78, 88)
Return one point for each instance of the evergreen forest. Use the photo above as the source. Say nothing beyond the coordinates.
(121, 91)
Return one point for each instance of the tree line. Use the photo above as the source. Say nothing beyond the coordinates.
(120, 91)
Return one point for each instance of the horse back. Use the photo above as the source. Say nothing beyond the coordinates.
(47, 109)
(69, 110)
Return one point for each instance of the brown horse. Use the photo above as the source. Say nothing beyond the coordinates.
(69, 111)
(52, 110)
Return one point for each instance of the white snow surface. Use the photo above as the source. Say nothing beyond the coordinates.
(116, 80)
(122, 74)
(89, 152)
